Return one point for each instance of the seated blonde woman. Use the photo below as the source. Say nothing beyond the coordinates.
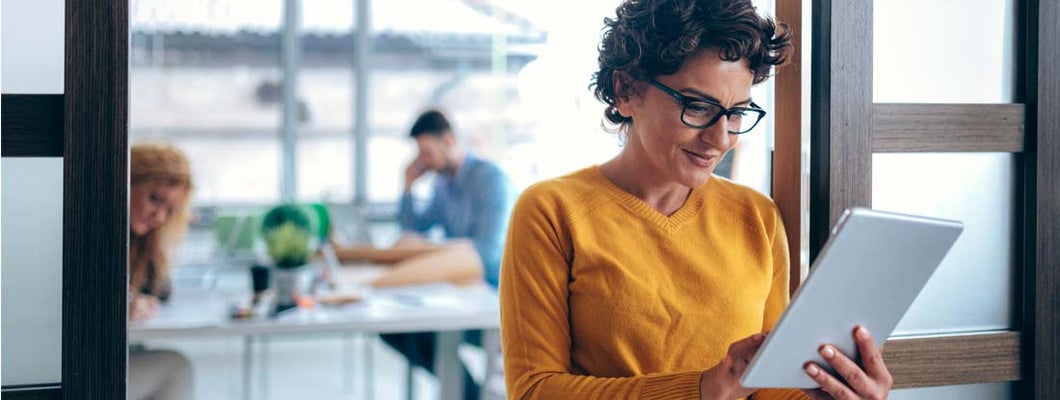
(160, 185)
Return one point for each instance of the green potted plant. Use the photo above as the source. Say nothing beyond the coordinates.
(290, 243)
(288, 246)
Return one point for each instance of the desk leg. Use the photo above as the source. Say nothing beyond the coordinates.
(369, 366)
(263, 378)
(447, 364)
(347, 363)
(248, 344)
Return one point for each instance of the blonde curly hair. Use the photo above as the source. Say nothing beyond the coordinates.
(158, 163)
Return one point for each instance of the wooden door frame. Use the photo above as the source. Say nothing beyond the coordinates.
(95, 205)
(1041, 301)
(87, 127)
(846, 128)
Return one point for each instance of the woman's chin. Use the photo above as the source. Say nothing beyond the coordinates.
(138, 229)
(696, 178)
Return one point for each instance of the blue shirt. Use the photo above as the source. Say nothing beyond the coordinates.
(475, 204)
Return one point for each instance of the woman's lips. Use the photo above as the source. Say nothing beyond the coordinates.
(700, 159)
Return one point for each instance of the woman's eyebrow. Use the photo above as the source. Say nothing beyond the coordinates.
(699, 94)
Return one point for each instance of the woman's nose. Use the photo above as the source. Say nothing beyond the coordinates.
(717, 134)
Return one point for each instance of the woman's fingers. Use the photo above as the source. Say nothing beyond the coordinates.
(871, 356)
(848, 369)
(743, 350)
(872, 382)
(143, 306)
(723, 379)
(829, 384)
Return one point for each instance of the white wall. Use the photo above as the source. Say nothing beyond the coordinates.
(31, 278)
(32, 48)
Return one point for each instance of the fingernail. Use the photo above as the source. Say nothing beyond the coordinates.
(827, 352)
(862, 333)
(812, 370)
(759, 336)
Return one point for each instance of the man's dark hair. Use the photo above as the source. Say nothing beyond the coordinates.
(649, 38)
(431, 122)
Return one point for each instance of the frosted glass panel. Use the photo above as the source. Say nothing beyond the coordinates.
(944, 51)
(982, 391)
(33, 45)
(31, 269)
(974, 287)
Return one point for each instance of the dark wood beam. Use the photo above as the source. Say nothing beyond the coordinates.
(95, 227)
(33, 125)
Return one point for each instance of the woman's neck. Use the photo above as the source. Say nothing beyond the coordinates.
(632, 177)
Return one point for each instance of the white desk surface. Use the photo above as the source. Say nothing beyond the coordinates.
(421, 308)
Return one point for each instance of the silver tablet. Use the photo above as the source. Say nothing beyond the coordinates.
(868, 273)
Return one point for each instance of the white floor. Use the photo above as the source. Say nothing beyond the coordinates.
(300, 367)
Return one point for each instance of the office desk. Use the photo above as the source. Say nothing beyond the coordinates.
(441, 308)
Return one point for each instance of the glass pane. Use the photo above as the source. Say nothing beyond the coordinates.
(32, 270)
(325, 167)
(228, 170)
(983, 391)
(944, 51)
(324, 160)
(33, 45)
(206, 76)
(974, 288)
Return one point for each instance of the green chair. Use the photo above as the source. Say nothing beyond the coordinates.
(235, 235)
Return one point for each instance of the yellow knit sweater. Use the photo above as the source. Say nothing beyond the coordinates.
(603, 297)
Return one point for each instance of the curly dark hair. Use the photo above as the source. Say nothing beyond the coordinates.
(649, 38)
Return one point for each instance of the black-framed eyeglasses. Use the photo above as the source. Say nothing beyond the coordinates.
(701, 113)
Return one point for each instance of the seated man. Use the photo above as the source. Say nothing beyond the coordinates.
(472, 199)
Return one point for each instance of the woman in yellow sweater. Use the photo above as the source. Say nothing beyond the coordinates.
(647, 277)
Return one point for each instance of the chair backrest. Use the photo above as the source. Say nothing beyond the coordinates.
(235, 233)
(321, 216)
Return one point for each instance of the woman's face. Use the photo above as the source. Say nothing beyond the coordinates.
(151, 204)
(668, 149)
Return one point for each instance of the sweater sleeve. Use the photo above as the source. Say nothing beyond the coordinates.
(535, 318)
(778, 293)
(780, 394)
(410, 220)
(777, 302)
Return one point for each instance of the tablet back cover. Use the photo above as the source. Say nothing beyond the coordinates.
(868, 273)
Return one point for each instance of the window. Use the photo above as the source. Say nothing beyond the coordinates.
(512, 74)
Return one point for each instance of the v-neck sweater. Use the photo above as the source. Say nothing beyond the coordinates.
(604, 297)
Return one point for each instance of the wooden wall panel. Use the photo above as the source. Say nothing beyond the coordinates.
(948, 128)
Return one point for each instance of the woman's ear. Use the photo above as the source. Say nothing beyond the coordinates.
(626, 95)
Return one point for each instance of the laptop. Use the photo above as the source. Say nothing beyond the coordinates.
(869, 272)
